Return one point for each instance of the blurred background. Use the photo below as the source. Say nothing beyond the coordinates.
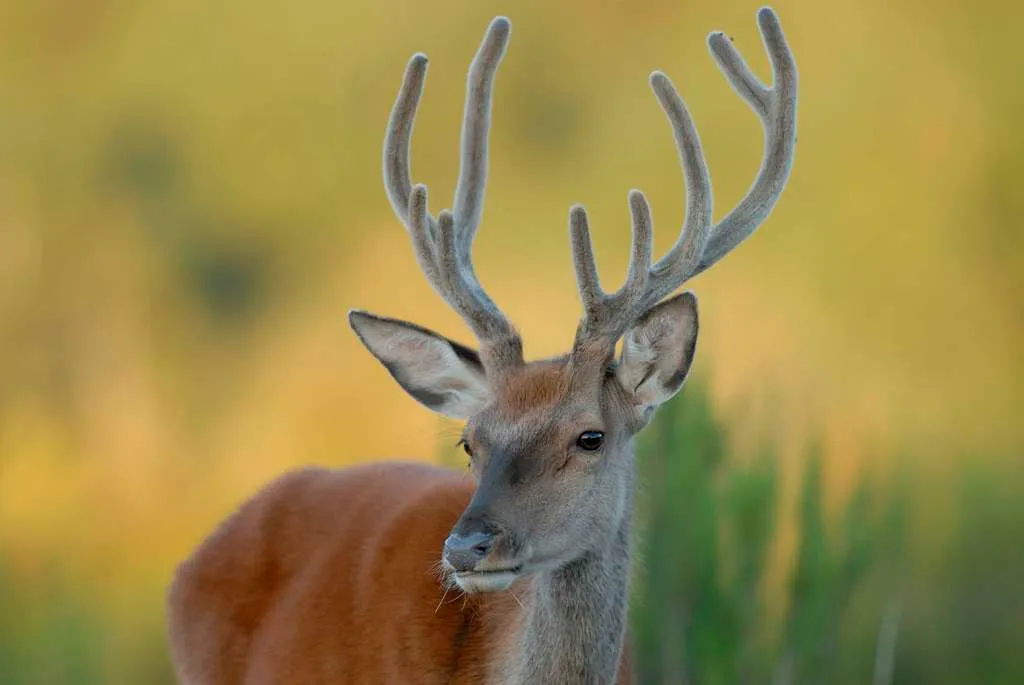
(191, 200)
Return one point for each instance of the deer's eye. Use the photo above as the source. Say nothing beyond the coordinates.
(590, 441)
(465, 447)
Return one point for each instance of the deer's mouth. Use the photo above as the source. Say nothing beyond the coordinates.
(487, 580)
(515, 570)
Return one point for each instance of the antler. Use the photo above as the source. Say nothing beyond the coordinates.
(607, 317)
(444, 245)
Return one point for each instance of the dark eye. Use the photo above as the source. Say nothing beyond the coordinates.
(590, 441)
(465, 447)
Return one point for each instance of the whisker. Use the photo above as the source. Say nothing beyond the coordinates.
(442, 600)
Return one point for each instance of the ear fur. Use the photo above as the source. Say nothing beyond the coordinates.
(657, 353)
(439, 373)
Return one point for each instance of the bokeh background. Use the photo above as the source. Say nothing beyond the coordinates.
(191, 200)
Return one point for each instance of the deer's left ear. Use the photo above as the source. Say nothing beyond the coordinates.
(657, 353)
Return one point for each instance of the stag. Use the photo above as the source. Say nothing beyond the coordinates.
(519, 571)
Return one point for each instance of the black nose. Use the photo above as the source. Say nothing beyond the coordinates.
(464, 552)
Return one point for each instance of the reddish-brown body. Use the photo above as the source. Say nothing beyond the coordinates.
(336, 576)
(330, 576)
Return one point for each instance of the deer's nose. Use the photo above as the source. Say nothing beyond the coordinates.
(464, 552)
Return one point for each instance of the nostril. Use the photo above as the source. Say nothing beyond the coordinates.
(464, 552)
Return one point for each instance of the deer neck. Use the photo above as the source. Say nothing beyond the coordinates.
(573, 625)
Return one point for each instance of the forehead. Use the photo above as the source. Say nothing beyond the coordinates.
(536, 399)
(539, 385)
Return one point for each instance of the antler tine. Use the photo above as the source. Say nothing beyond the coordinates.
(608, 315)
(680, 261)
(443, 246)
(441, 262)
(422, 232)
(397, 141)
(776, 107)
(700, 244)
(469, 192)
(587, 280)
(466, 296)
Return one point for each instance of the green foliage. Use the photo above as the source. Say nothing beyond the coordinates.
(190, 196)
(876, 591)
(710, 530)
(54, 632)
(970, 623)
(47, 632)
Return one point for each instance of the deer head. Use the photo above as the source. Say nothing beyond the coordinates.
(550, 441)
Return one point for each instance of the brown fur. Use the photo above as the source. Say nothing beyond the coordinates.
(331, 577)
(535, 386)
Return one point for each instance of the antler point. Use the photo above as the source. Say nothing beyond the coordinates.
(768, 19)
(662, 86)
(499, 31)
(718, 40)
(418, 195)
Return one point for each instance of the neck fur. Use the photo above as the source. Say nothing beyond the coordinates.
(574, 623)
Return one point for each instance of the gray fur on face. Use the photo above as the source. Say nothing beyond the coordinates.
(559, 512)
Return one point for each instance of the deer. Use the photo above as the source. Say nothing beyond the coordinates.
(519, 570)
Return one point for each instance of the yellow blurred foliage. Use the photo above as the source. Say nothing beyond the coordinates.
(190, 201)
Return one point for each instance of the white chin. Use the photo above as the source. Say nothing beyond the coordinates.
(485, 582)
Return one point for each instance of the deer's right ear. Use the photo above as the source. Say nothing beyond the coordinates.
(439, 373)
